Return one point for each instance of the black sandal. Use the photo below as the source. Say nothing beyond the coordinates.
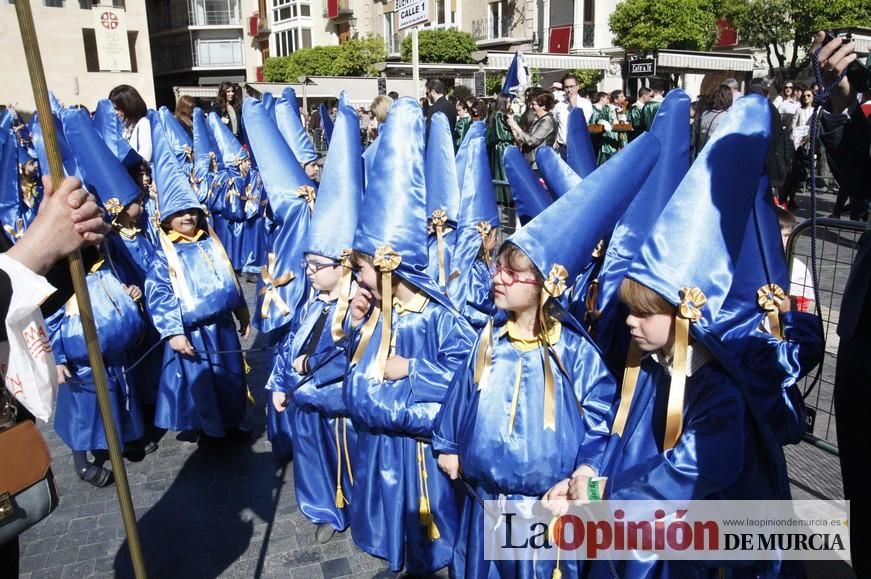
(96, 475)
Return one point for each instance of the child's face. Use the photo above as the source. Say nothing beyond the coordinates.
(369, 278)
(515, 287)
(652, 332)
(144, 178)
(185, 222)
(313, 171)
(323, 273)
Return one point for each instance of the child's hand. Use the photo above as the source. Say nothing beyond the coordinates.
(278, 399)
(134, 292)
(182, 345)
(361, 303)
(299, 364)
(63, 374)
(396, 368)
(578, 485)
(244, 330)
(450, 465)
(556, 500)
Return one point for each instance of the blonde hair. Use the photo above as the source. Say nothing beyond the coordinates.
(642, 300)
(380, 107)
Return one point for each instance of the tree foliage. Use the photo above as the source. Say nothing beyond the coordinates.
(652, 24)
(588, 80)
(775, 24)
(355, 57)
(441, 45)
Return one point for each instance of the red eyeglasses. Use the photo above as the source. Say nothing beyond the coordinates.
(499, 270)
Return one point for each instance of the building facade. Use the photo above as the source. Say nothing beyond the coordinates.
(205, 42)
(66, 33)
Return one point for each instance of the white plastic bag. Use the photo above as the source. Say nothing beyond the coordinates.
(27, 363)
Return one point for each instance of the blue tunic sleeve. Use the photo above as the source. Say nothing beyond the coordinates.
(455, 407)
(597, 393)
(429, 378)
(161, 302)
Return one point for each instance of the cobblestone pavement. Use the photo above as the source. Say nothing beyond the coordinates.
(232, 512)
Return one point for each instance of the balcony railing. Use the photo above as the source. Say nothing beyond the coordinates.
(218, 54)
(487, 29)
(216, 18)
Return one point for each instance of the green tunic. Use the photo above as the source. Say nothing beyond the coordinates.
(499, 138)
(460, 130)
(606, 142)
(648, 113)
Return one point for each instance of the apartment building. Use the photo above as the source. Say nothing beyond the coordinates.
(66, 30)
(202, 43)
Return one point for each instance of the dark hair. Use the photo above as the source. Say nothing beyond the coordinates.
(720, 99)
(644, 91)
(184, 110)
(516, 259)
(474, 106)
(568, 76)
(435, 84)
(544, 99)
(785, 219)
(599, 96)
(615, 94)
(127, 99)
(658, 85)
(393, 94)
(222, 96)
(758, 86)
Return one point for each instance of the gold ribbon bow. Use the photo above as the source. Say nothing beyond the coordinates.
(692, 299)
(213, 162)
(386, 260)
(308, 193)
(484, 228)
(17, 232)
(439, 219)
(28, 193)
(555, 283)
(769, 297)
(336, 329)
(270, 285)
(114, 207)
(189, 153)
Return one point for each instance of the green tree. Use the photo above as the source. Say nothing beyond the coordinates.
(652, 24)
(588, 80)
(441, 45)
(774, 24)
(353, 58)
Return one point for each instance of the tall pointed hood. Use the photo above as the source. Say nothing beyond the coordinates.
(205, 157)
(181, 143)
(672, 130)
(231, 152)
(326, 121)
(102, 172)
(558, 175)
(585, 215)
(442, 197)
(340, 193)
(477, 129)
(268, 101)
(69, 161)
(530, 197)
(579, 147)
(109, 127)
(174, 192)
(289, 122)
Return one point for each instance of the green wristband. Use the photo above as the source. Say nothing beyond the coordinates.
(593, 490)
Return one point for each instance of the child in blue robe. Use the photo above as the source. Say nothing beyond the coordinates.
(535, 401)
(404, 509)
(192, 295)
(312, 369)
(120, 325)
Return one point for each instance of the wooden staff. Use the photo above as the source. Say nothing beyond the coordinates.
(77, 272)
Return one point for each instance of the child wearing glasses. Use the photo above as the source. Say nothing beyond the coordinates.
(535, 401)
(411, 340)
(192, 295)
(311, 369)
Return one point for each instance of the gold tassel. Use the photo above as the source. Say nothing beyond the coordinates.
(386, 324)
(249, 396)
(557, 574)
(427, 518)
(347, 452)
(341, 501)
(337, 330)
(246, 364)
(513, 412)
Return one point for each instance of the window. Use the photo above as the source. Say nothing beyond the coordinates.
(445, 16)
(285, 42)
(53, 3)
(589, 26)
(497, 22)
(305, 10)
(389, 35)
(283, 10)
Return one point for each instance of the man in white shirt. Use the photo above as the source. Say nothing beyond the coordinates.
(563, 108)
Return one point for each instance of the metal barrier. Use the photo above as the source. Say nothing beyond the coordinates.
(836, 247)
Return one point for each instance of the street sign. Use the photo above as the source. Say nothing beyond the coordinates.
(411, 13)
(110, 33)
(641, 68)
(480, 84)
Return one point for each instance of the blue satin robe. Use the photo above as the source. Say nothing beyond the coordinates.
(234, 213)
(319, 455)
(253, 235)
(206, 392)
(120, 326)
(525, 463)
(719, 456)
(479, 306)
(389, 416)
(131, 254)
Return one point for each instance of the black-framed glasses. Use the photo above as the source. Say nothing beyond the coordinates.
(498, 270)
(789, 86)
(315, 267)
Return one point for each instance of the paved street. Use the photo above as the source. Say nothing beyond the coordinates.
(232, 512)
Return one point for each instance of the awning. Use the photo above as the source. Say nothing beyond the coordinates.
(684, 60)
(360, 90)
(198, 92)
(548, 61)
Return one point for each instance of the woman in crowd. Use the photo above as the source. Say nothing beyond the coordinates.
(184, 111)
(542, 131)
(229, 108)
(133, 113)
